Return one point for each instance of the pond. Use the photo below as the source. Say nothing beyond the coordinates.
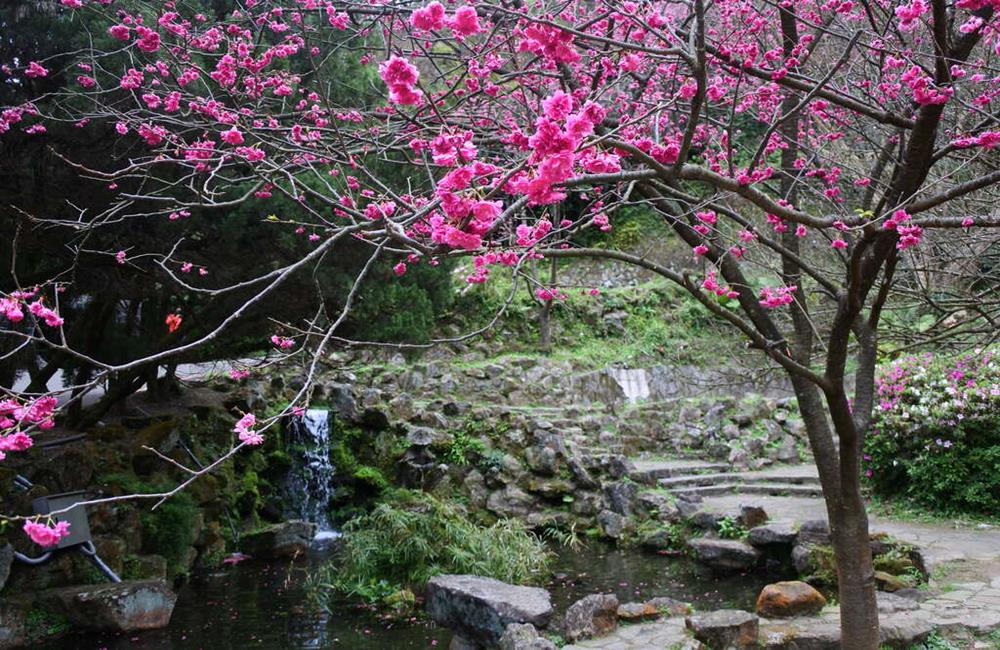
(263, 605)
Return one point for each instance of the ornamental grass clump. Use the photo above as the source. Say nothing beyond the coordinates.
(936, 431)
(413, 536)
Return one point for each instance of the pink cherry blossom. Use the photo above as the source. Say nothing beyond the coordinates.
(44, 534)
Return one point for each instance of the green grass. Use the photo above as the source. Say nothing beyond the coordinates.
(412, 537)
(662, 322)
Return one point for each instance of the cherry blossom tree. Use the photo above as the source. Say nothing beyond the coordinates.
(814, 155)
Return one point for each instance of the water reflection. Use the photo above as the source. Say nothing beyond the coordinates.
(260, 605)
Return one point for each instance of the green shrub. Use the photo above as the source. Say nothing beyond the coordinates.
(729, 528)
(935, 436)
(169, 530)
(413, 536)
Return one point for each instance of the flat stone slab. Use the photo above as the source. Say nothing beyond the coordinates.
(479, 608)
(725, 554)
(120, 607)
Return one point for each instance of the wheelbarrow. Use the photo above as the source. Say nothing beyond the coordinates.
(79, 528)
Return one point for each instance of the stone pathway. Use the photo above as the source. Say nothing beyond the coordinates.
(791, 494)
(973, 606)
(938, 543)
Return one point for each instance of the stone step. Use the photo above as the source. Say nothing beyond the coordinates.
(650, 471)
(773, 489)
(745, 478)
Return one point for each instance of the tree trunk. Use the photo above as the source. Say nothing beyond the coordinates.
(859, 627)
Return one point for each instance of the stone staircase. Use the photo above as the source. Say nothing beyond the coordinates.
(685, 478)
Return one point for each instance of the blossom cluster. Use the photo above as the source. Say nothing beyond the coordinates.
(16, 416)
(47, 534)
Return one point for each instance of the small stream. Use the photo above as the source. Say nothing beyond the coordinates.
(264, 605)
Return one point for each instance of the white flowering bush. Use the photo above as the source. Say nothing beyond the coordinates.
(935, 435)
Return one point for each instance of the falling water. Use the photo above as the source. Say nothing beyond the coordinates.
(308, 487)
(633, 383)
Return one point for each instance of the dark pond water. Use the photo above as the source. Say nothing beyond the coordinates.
(260, 605)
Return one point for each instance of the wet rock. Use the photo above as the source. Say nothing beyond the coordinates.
(287, 539)
(591, 616)
(524, 636)
(776, 535)
(724, 629)
(118, 607)
(612, 524)
(785, 599)
(725, 554)
(479, 609)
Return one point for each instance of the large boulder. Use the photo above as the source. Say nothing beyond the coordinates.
(479, 609)
(591, 616)
(785, 599)
(724, 629)
(117, 606)
(287, 539)
(725, 554)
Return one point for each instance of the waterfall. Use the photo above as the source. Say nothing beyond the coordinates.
(308, 487)
(633, 383)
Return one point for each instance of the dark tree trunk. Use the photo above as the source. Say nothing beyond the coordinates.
(855, 574)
